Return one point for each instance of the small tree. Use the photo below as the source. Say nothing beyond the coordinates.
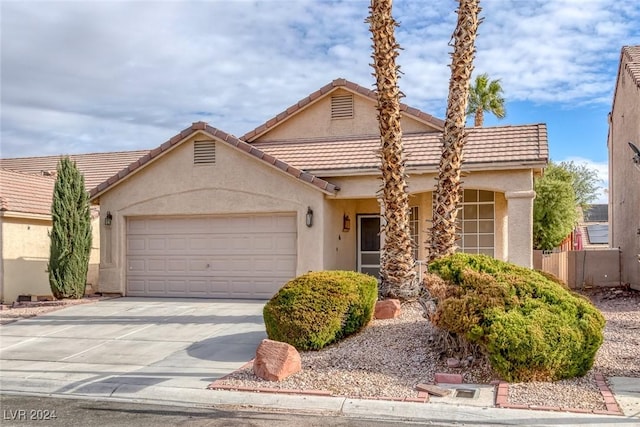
(70, 234)
(554, 211)
(583, 179)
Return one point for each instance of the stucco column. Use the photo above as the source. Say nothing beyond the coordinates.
(520, 227)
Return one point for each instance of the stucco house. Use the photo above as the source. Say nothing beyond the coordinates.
(26, 191)
(207, 214)
(624, 165)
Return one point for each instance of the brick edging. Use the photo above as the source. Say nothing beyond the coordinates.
(502, 400)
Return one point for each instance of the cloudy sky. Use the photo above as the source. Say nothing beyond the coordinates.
(92, 76)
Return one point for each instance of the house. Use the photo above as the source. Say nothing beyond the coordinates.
(592, 231)
(26, 191)
(207, 214)
(624, 165)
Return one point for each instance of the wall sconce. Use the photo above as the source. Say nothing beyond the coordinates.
(108, 219)
(346, 223)
(309, 218)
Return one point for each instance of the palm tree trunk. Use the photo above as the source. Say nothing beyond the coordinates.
(479, 119)
(447, 194)
(397, 273)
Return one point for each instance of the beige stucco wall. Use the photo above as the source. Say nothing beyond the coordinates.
(316, 121)
(25, 255)
(624, 177)
(515, 213)
(237, 183)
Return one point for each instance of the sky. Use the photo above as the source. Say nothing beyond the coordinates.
(93, 76)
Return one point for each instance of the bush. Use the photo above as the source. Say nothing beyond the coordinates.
(530, 326)
(319, 308)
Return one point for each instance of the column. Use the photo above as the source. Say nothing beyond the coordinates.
(520, 227)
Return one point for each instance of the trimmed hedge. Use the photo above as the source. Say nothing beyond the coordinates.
(319, 308)
(531, 327)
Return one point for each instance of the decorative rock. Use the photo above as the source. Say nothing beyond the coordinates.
(387, 309)
(452, 362)
(276, 360)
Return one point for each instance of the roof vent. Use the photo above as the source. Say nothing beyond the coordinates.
(204, 152)
(342, 107)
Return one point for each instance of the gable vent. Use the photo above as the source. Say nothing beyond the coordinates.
(342, 107)
(204, 152)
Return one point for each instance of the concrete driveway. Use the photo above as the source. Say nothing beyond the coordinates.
(130, 343)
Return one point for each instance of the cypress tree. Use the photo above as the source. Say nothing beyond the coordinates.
(70, 234)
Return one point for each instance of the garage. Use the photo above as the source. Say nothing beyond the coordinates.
(231, 256)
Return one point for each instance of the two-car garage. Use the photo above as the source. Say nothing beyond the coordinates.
(230, 256)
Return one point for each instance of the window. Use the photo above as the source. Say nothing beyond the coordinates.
(476, 220)
(414, 222)
(204, 152)
(342, 107)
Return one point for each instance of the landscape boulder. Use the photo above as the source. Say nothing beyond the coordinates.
(387, 309)
(276, 360)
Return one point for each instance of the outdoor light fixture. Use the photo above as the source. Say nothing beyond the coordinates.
(108, 218)
(346, 223)
(309, 219)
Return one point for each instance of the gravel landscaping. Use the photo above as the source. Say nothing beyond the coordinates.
(390, 357)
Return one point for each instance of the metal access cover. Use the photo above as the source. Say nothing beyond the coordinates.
(467, 393)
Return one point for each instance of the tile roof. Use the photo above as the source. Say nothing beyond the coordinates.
(330, 87)
(631, 54)
(227, 138)
(596, 213)
(25, 193)
(485, 146)
(96, 167)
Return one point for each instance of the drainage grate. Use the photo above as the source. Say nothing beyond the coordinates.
(467, 393)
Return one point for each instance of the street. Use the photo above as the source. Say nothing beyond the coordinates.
(22, 411)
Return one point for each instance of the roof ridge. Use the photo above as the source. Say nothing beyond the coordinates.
(33, 175)
(329, 87)
(79, 154)
(225, 137)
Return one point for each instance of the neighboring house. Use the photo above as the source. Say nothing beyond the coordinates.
(207, 214)
(624, 165)
(592, 231)
(26, 192)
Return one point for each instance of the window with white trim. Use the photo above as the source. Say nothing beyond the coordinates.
(476, 222)
(414, 223)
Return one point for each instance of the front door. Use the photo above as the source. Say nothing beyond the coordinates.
(369, 244)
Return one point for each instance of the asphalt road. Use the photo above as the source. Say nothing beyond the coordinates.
(22, 411)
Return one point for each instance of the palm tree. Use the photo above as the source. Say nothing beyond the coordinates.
(485, 95)
(447, 193)
(397, 272)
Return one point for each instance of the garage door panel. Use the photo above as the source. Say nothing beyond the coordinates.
(243, 256)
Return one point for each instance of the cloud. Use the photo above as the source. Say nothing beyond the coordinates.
(87, 76)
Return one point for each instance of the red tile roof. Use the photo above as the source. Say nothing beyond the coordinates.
(326, 89)
(490, 146)
(96, 167)
(25, 193)
(631, 54)
(227, 138)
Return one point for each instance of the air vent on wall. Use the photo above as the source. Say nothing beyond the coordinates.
(204, 152)
(342, 107)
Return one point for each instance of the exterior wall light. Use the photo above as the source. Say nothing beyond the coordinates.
(346, 223)
(108, 219)
(309, 217)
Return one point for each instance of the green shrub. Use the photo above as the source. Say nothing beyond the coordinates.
(318, 308)
(531, 327)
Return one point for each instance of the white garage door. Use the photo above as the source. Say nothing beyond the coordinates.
(243, 256)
